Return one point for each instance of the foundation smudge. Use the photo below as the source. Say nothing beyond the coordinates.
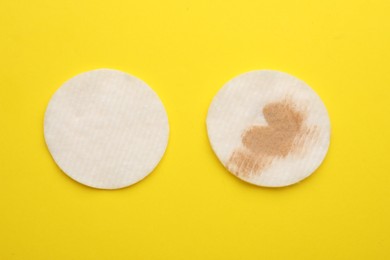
(285, 134)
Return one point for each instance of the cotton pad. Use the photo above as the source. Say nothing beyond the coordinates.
(268, 128)
(106, 129)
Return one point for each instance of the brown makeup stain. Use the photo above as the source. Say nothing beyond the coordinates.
(286, 133)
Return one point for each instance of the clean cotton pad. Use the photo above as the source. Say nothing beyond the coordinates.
(106, 129)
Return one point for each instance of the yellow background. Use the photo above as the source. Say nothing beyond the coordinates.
(190, 207)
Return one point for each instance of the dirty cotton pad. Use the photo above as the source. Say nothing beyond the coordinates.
(106, 129)
(268, 128)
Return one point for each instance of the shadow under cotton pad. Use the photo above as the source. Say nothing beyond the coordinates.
(106, 129)
(268, 128)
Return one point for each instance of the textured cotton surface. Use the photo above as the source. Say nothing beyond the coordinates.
(268, 128)
(106, 129)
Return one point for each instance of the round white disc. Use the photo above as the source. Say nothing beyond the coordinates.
(268, 128)
(106, 129)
